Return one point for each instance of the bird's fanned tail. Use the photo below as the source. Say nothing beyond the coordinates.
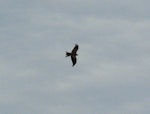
(68, 54)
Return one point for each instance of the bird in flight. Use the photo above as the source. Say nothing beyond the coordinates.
(73, 54)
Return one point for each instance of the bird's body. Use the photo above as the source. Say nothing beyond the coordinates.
(73, 54)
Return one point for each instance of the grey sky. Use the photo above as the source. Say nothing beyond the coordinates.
(112, 72)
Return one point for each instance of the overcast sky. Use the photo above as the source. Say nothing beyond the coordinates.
(112, 74)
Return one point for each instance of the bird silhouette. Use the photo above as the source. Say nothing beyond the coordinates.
(73, 54)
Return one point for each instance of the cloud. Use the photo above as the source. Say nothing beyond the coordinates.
(112, 72)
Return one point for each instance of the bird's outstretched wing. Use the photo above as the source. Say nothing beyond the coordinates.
(74, 60)
(75, 49)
